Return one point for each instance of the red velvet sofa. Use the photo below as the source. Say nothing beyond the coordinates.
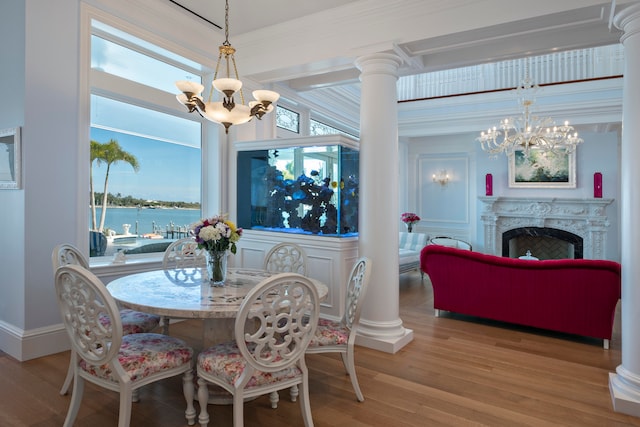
(575, 296)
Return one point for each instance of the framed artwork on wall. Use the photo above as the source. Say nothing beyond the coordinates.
(10, 160)
(540, 169)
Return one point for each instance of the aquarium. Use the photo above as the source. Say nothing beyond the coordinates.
(311, 188)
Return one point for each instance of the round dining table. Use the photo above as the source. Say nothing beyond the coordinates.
(185, 293)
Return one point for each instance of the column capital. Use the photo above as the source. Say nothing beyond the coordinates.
(628, 20)
(379, 63)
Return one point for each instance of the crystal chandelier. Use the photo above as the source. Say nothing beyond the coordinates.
(226, 112)
(529, 131)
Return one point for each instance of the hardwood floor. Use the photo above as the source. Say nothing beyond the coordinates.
(457, 371)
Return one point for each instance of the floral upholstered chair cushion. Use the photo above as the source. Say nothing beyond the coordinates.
(227, 363)
(134, 322)
(144, 354)
(330, 333)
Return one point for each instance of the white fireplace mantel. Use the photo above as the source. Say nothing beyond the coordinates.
(584, 217)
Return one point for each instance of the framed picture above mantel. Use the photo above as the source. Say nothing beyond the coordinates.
(540, 169)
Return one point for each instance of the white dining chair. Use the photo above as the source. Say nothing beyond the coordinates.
(104, 356)
(339, 337)
(286, 257)
(182, 253)
(133, 322)
(268, 353)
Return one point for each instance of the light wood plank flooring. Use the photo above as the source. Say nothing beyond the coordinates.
(457, 371)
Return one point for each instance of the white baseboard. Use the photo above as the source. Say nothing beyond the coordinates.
(26, 345)
(387, 345)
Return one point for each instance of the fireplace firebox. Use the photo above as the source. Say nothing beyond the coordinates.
(542, 242)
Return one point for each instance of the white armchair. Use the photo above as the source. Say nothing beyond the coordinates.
(410, 246)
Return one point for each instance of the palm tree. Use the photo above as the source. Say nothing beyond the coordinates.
(96, 152)
(111, 153)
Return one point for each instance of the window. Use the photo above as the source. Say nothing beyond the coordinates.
(319, 128)
(287, 119)
(149, 160)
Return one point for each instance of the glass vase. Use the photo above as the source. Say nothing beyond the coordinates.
(409, 227)
(217, 267)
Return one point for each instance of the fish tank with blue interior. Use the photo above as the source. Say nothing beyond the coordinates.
(304, 185)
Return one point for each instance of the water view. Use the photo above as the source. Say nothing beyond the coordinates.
(147, 221)
(129, 229)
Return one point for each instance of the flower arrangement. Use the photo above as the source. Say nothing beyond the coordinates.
(409, 218)
(216, 234)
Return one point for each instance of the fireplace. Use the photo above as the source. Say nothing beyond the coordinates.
(579, 224)
(541, 242)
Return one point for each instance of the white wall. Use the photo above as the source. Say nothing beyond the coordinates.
(42, 79)
(12, 248)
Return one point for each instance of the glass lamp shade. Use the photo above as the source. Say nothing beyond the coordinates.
(266, 96)
(216, 112)
(186, 86)
(227, 85)
(213, 111)
(240, 114)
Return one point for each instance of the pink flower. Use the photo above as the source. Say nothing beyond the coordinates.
(410, 218)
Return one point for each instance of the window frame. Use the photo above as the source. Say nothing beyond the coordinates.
(95, 82)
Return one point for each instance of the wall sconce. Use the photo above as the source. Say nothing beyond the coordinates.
(442, 177)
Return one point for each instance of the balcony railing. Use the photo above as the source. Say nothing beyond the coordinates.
(582, 64)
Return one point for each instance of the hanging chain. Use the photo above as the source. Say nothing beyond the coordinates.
(227, 51)
(226, 24)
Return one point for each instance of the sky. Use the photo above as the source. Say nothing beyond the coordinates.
(168, 171)
(167, 147)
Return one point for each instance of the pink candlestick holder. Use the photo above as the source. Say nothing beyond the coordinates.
(488, 179)
(597, 185)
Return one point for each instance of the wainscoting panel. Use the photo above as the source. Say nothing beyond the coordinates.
(448, 202)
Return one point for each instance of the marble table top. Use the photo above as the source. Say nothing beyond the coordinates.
(183, 292)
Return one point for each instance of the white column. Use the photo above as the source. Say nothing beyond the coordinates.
(380, 325)
(624, 385)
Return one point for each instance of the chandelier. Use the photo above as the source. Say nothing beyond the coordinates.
(529, 131)
(226, 112)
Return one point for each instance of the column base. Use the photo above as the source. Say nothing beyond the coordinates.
(624, 395)
(386, 344)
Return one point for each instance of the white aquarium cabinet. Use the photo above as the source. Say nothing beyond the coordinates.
(329, 260)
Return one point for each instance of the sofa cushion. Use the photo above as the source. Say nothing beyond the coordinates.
(413, 241)
(408, 256)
